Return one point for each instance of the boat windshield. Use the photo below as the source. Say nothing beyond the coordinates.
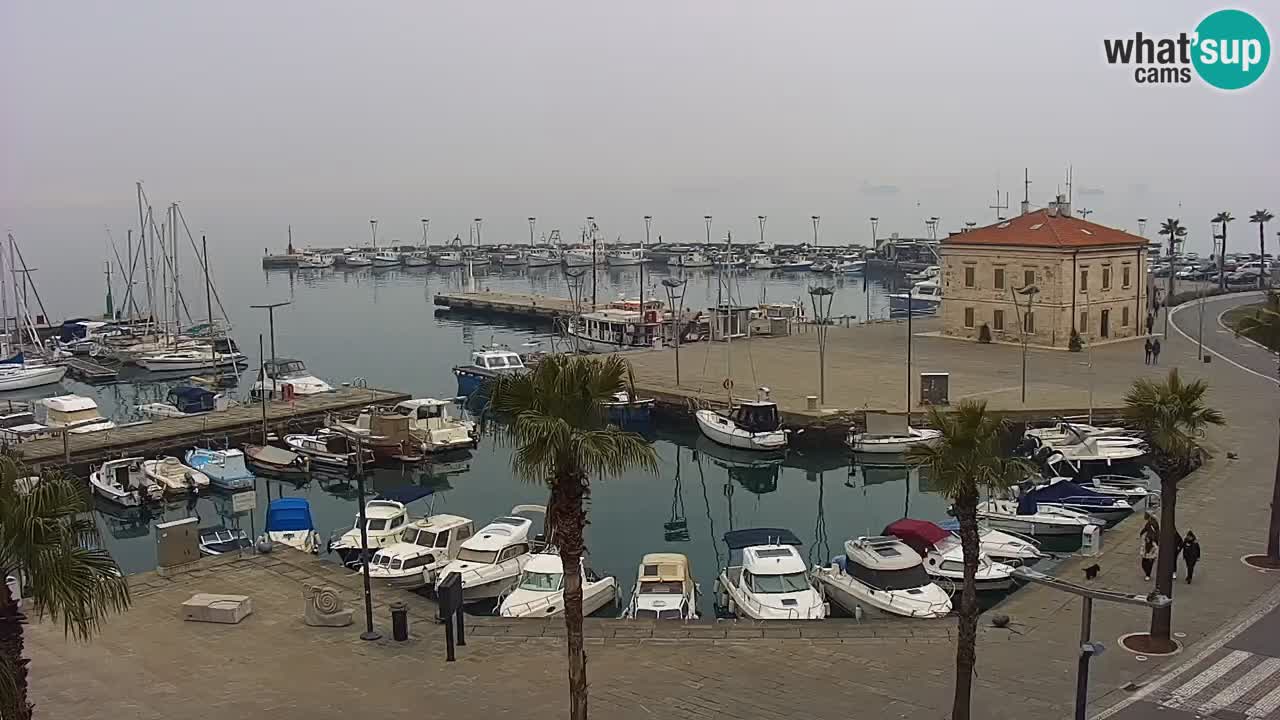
(904, 579)
(788, 583)
(376, 524)
(646, 614)
(541, 582)
(673, 587)
(486, 557)
(424, 538)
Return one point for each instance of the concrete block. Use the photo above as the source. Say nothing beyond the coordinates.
(225, 609)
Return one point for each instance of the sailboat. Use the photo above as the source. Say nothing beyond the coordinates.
(19, 371)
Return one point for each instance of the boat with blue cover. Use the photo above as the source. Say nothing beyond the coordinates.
(487, 364)
(1062, 493)
(289, 523)
(225, 468)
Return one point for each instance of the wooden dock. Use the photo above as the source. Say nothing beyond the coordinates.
(531, 307)
(90, 371)
(173, 434)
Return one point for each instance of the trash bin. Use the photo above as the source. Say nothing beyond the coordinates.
(399, 621)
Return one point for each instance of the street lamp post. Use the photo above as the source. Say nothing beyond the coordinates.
(369, 633)
(1029, 292)
(821, 297)
(532, 222)
(761, 219)
(478, 221)
(373, 231)
(648, 223)
(271, 324)
(591, 228)
(816, 219)
(677, 319)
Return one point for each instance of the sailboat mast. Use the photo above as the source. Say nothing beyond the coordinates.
(4, 302)
(208, 295)
(910, 312)
(13, 275)
(173, 240)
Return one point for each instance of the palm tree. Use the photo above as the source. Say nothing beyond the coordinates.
(967, 459)
(1223, 217)
(48, 540)
(1176, 232)
(1262, 217)
(557, 423)
(1173, 415)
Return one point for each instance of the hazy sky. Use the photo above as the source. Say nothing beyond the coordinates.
(324, 114)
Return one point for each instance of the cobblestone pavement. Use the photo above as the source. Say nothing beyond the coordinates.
(150, 664)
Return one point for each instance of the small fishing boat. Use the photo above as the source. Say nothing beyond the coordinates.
(883, 576)
(385, 521)
(18, 374)
(75, 414)
(766, 579)
(1068, 433)
(289, 523)
(824, 267)
(316, 261)
(542, 257)
(426, 546)
(894, 442)
(625, 257)
(434, 428)
(491, 561)
(225, 468)
(664, 589)
(689, 260)
(511, 259)
(169, 473)
(277, 462)
(851, 267)
(927, 274)
(328, 449)
(1094, 457)
(417, 258)
(625, 411)
(749, 425)
(381, 429)
(487, 364)
(358, 259)
(1009, 548)
(944, 557)
(287, 372)
(798, 262)
(924, 297)
(540, 589)
(449, 259)
(475, 257)
(195, 359)
(123, 482)
(614, 330)
(218, 540)
(762, 261)
(1025, 517)
(386, 258)
(579, 257)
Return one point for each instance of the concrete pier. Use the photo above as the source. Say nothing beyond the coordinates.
(531, 307)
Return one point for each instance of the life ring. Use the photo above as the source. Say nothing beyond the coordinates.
(727, 384)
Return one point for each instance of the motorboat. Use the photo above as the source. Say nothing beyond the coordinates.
(924, 297)
(193, 359)
(381, 429)
(486, 365)
(1069, 433)
(475, 257)
(1135, 490)
(358, 259)
(418, 258)
(434, 428)
(581, 257)
(512, 259)
(625, 411)
(225, 468)
(1027, 518)
(289, 523)
(930, 273)
(219, 540)
(851, 267)
(75, 414)
(185, 401)
(614, 330)
(728, 261)
(823, 267)
(664, 589)
(277, 462)
(316, 261)
(80, 336)
(449, 258)
(1062, 492)
(1009, 548)
(944, 557)
(329, 449)
(385, 521)
(169, 473)
(883, 576)
(426, 546)
(540, 590)
(749, 425)
(689, 260)
(766, 578)
(386, 258)
(491, 561)
(289, 372)
(542, 257)
(123, 482)
(762, 261)
(1092, 457)
(895, 442)
(798, 262)
(625, 257)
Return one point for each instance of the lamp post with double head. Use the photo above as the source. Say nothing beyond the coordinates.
(1029, 292)
(821, 296)
(677, 313)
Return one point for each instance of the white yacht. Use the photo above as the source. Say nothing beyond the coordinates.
(540, 590)
(766, 579)
(17, 374)
(123, 482)
(579, 257)
(289, 523)
(749, 425)
(193, 359)
(358, 259)
(882, 575)
(625, 257)
(664, 589)
(434, 428)
(1022, 516)
(944, 557)
(1062, 492)
(924, 297)
(289, 372)
(490, 562)
(1008, 548)
(386, 258)
(418, 258)
(689, 260)
(329, 449)
(316, 261)
(542, 257)
(169, 473)
(891, 443)
(614, 330)
(76, 414)
(929, 273)
(797, 262)
(449, 258)
(762, 261)
(425, 547)
(385, 521)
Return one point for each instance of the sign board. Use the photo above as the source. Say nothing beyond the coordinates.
(935, 388)
(245, 501)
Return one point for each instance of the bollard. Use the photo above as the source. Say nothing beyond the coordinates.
(811, 402)
(399, 621)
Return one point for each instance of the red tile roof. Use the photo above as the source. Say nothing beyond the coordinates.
(1041, 229)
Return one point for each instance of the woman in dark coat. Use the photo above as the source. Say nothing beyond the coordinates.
(1191, 554)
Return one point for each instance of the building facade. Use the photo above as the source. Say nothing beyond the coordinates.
(1082, 276)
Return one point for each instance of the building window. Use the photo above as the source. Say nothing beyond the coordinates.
(968, 276)
(1028, 277)
(968, 317)
(1106, 278)
(1124, 276)
(1084, 321)
(998, 279)
(1084, 280)
(997, 320)
(1124, 315)
(1029, 323)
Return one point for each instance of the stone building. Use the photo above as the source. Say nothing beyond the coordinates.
(1089, 277)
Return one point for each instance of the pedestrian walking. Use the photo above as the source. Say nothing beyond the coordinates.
(1155, 351)
(1150, 527)
(1151, 322)
(1148, 555)
(1177, 550)
(1191, 554)
(1147, 350)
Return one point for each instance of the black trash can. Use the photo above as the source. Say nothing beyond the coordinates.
(399, 621)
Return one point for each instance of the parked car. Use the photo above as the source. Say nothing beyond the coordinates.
(1244, 277)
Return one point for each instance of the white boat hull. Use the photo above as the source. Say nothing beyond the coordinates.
(163, 364)
(543, 262)
(624, 262)
(29, 377)
(838, 587)
(724, 431)
(1031, 527)
(893, 445)
(525, 604)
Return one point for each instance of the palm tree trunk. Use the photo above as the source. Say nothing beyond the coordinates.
(1167, 561)
(13, 689)
(1222, 260)
(1262, 269)
(1273, 528)
(966, 648)
(569, 519)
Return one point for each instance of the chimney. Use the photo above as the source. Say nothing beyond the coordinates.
(1064, 206)
(1026, 206)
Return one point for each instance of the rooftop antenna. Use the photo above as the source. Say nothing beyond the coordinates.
(1069, 178)
(1026, 190)
(1085, 213)
(998, 207)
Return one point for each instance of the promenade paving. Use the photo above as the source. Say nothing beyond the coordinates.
(149, 664)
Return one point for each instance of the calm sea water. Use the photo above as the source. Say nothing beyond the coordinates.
(381, 325)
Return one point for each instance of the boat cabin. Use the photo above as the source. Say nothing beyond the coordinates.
(623, 328)
(764, 551)
(497, 360)
(438, 532)
(884, 563)
(503, 539)
(652, 305)
(756, 416)
(284, 368)
(424, 413)
(73, 411)
(730, 321)
(664, 587)
(384, 516)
